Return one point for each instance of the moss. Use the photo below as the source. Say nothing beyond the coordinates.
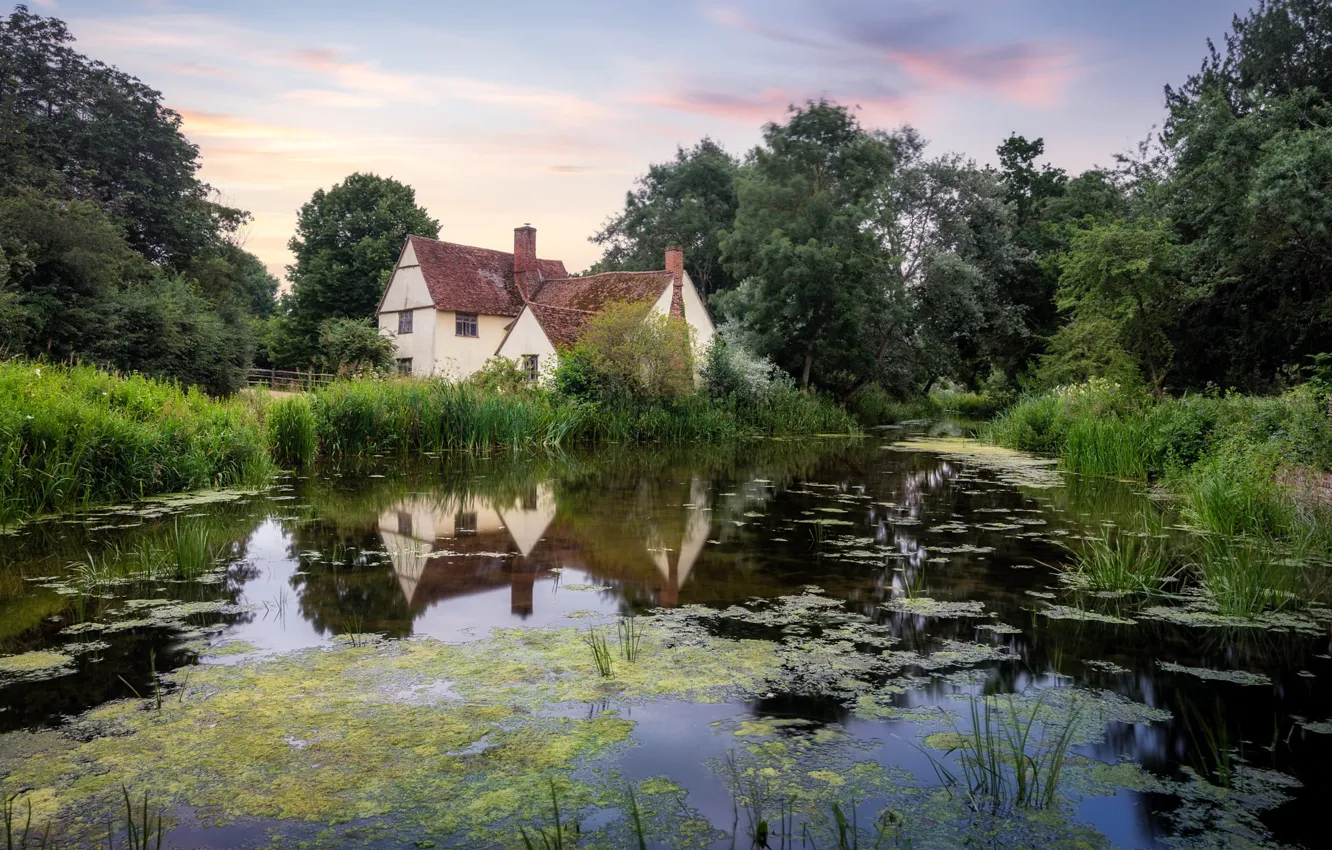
(1064, 612)
(35, 665)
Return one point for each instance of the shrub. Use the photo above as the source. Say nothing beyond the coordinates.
(634, 352)
(501, 375)
(354, 347)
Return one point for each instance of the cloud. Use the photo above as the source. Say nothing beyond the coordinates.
(773, 103)
(218, 126)
(931, 48)
(194, 69)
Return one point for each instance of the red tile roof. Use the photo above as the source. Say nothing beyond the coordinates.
(563, 307)
(473, 280)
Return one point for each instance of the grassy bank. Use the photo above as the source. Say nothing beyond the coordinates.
(1231, 456)
(873, 406)
(71, 436)
(358, 418)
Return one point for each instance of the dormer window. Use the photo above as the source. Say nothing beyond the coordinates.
(465, 324)
(405, 322)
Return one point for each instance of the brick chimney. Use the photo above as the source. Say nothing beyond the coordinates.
(675, 265)
(524, 250)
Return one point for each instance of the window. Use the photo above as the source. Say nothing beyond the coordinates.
(404, 365)
(405, 322)
(404, 523)
(530, 366)
(465, 324)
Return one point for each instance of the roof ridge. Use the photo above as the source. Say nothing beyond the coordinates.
(479, 248)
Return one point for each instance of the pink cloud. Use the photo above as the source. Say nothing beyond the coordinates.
(772, 104)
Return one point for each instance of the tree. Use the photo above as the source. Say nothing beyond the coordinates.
(79, 129)
(347, 241)
(686, 203)
(1119, 283)
(1245, 149)
(813, 268)
(947, 229)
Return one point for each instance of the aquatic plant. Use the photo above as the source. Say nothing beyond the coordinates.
(631, 637)
(550, 839)
(142, 831)
(601, 653)
(1119, 560)
(1006, 760)
(1247, 577)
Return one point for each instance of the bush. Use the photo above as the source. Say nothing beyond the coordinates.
(629, 351)
(354, 347)
(70, 436)
(501, 375)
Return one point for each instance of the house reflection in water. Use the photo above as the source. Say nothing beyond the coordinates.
(445, 547)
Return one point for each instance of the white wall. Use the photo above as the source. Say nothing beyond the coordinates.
(527, 337)
(407, 291)
(459, 356)
(697, 316)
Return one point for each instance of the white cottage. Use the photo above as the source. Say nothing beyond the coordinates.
(453, 307)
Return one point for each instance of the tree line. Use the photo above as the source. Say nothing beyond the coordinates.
(850, 256)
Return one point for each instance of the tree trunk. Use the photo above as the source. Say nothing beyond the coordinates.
(809, 364)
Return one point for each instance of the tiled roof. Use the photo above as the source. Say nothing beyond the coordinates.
(563, 307)
(473, 280)
(594, 292)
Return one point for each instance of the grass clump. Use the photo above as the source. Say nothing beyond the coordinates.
(292, 440)
(601, 653)
(1118, 560)
(75, 435)
(1006, 760)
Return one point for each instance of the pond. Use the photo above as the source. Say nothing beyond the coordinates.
(818, 643)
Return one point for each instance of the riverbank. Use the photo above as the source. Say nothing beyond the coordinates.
(76, 436)
(1230, 458)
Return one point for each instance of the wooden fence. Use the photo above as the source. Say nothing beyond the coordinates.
(288, 380)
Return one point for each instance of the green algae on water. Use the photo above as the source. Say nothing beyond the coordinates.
(29, 666)
(1238, 677)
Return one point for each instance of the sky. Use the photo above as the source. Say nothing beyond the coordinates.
(503, 113)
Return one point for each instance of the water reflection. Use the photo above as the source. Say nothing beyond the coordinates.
(453, 548)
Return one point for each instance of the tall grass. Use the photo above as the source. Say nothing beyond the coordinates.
(74, 435)
(292, 439)
(1121, 561)
(1007, 761)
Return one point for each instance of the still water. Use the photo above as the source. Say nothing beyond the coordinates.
(894, 586)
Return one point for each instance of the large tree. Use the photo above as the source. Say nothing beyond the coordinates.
(1247, 185)
(687, 202)
(347, 240)
(79, 129)
(803, 242)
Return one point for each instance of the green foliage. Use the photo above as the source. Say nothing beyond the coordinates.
(686, 203)
(629, 351)
(81, 130)
(354, 347)
(70, 436)
(290, 425)
(346, 243)
(1124, 561)
(802, 244)
(1119, 277)
(501, 375)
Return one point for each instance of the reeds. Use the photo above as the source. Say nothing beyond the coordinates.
(142, 830)
(75, 435)
(601, 652)
(290, 429)
(1006, 761)
(550, 839)
(631, 638)
(1118, 560)
(1247, 577)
